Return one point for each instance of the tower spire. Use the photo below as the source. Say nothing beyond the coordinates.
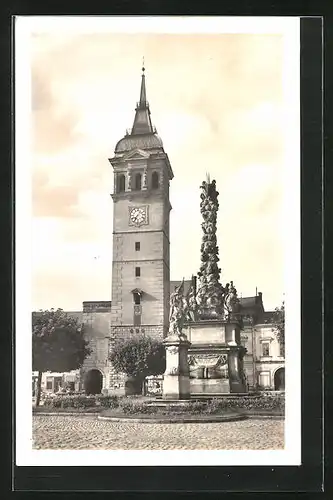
(143, 98)
(142, 122)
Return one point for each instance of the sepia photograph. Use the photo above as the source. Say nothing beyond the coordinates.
(157, 241)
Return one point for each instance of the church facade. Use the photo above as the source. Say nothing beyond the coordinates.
(141, 270)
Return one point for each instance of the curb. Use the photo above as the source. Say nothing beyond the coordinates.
(64, 414)
(265, 417)
(208, 420)
(229, 418)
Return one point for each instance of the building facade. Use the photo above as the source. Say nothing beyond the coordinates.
(264, 363)
(264, 360)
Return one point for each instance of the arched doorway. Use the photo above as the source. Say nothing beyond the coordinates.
(93, 382)
(279, 380)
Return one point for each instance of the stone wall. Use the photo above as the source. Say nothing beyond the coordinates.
(97, 332)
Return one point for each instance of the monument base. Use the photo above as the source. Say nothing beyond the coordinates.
(209, 386)
(176, 387)
(176, 382)
(216, 357)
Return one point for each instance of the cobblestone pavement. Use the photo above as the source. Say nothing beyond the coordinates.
(88, 433)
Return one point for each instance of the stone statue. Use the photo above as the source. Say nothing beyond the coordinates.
(178, 310)
(129, 180)
(191, 304)
(231, 301)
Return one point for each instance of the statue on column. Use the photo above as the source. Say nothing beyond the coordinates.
(178, 310)
(209, 296)
(231, 303)
(191, 304)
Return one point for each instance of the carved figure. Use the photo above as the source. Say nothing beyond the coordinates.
(231, 301)
(191, 304)
(178, 310)
(129, 180)
(208, 296)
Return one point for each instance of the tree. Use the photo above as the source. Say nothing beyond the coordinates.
(58, 344)
(138, 357)
(279, 325)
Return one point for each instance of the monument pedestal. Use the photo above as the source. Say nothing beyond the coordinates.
(176, 381)
(216, 357)
(235, 369)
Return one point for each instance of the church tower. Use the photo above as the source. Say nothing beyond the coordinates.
(141, 212)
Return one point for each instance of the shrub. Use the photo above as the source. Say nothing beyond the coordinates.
(83, 401)
(195, 407)
(107, 401)
(262, 402)
(138, 357)
(70, 401)
(132, 406)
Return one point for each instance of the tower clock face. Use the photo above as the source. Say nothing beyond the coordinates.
(138, 216)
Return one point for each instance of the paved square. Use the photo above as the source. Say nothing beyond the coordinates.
(89, 433)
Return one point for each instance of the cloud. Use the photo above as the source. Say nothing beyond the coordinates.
(53, 127)
(217, 103)
(53, 201)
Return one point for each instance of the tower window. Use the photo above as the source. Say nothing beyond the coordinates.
(137, 246)
(137, 299)
(137, 182)
(120, 183)
(155, 180)
(137, 272)
(265, 349)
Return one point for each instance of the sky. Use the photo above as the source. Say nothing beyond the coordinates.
(217, 102)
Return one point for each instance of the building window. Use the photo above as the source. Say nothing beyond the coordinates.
(71, 386)
(137, 246)
(120, 183)
(137, 299)
(137, 182)
(137, 272)
(155, 180)
(49, 383)
(265, 349)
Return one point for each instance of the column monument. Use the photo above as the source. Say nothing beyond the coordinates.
(213, 319)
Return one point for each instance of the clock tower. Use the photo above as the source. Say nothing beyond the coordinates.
(141, 212)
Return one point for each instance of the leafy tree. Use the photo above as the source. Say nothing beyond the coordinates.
(138, 357)
(58, 344)
(279, 326)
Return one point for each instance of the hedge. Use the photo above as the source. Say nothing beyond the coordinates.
(212, 406)
(132, 405)
(81, 401)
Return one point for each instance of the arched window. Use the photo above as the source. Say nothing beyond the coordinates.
(155, 180)
(120, 183)
(137, 182)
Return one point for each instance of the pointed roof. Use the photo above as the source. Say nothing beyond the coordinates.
(142, 135)
(142, 122)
